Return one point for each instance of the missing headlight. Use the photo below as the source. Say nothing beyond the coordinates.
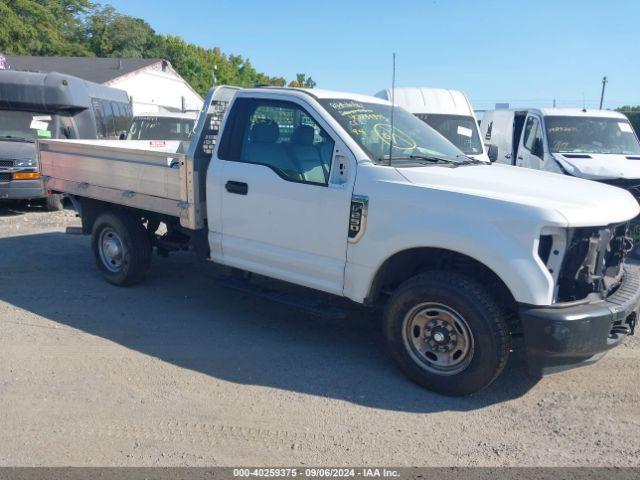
(544, 247)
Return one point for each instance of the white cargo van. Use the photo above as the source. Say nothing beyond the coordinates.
(592, 144)
(447, 111)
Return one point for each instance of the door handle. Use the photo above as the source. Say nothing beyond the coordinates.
(508, 155)
(240, 188)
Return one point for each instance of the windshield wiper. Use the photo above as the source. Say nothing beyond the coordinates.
(17, 139)
(471, 161)
(421, 158)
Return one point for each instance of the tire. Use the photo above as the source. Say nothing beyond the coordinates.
(461, 343)
(121, 247)
(53, 202)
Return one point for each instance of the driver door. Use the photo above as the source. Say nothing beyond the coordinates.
(281, 213)
(531, 150)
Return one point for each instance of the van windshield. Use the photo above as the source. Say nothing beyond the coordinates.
(591, 135)
(369, 124)
(460, 130)
(21, 125)
(160, 128)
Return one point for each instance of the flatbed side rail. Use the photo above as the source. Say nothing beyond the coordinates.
(112, 173)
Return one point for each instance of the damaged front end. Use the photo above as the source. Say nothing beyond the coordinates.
(596, 299)
(593, 262)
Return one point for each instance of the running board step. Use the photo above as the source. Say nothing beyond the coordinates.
(308, 304)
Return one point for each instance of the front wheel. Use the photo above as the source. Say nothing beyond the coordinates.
(121, 247)
(446, 333)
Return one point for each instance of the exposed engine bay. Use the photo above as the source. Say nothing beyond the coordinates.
(593, 262)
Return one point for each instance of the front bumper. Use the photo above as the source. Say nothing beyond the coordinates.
(559, 338)
(22, 190)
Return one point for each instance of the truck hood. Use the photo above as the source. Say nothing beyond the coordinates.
(600, 166)
(580, 202)
(16, 150)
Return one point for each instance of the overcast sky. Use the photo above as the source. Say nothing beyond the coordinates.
(522, 52)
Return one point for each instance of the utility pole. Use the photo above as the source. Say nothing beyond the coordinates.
(604, 83)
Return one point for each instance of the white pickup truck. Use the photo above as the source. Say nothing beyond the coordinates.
(304, 186)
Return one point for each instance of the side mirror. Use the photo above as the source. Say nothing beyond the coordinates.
(123, 136)
(537, 149)
(492, 153)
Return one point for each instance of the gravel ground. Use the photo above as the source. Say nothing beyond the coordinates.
(182, 371)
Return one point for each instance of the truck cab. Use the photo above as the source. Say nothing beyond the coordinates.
(345, 194)
(447, 111)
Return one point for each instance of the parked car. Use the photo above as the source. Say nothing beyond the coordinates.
(162, 126)
(462, 255)
(447, 111)
(37, 105)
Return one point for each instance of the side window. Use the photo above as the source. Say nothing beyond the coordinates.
(123, 117)
(101, 127)
(282, 136)
(487, 135)
(108, 119)
(530, 132)
(67, 127)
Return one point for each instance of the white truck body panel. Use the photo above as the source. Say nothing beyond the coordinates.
(489, 213)
(255, 232)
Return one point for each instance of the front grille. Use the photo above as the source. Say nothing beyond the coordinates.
(6, 163)
(593, 262)
(5, 177)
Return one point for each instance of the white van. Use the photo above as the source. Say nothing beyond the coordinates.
(447, 111)
(592, 144)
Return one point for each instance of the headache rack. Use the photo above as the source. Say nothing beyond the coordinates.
(593, 262)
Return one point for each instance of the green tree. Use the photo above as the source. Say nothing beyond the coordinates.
(43, 27)
(110, 34)
(302, 81)
(82, 28)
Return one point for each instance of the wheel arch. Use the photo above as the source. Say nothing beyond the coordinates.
(408, 263)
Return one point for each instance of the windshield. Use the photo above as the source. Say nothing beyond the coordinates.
(25, 125)
(460, 130)
(591, 135)
(160, 128)
(369, 124)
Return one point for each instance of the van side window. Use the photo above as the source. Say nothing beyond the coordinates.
(487, 136)
(531, 132)
(101, 130)
(67, 127)
(280, 135)
(112, 118)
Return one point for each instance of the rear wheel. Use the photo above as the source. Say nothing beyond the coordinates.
(447, 333)
(121, 247)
